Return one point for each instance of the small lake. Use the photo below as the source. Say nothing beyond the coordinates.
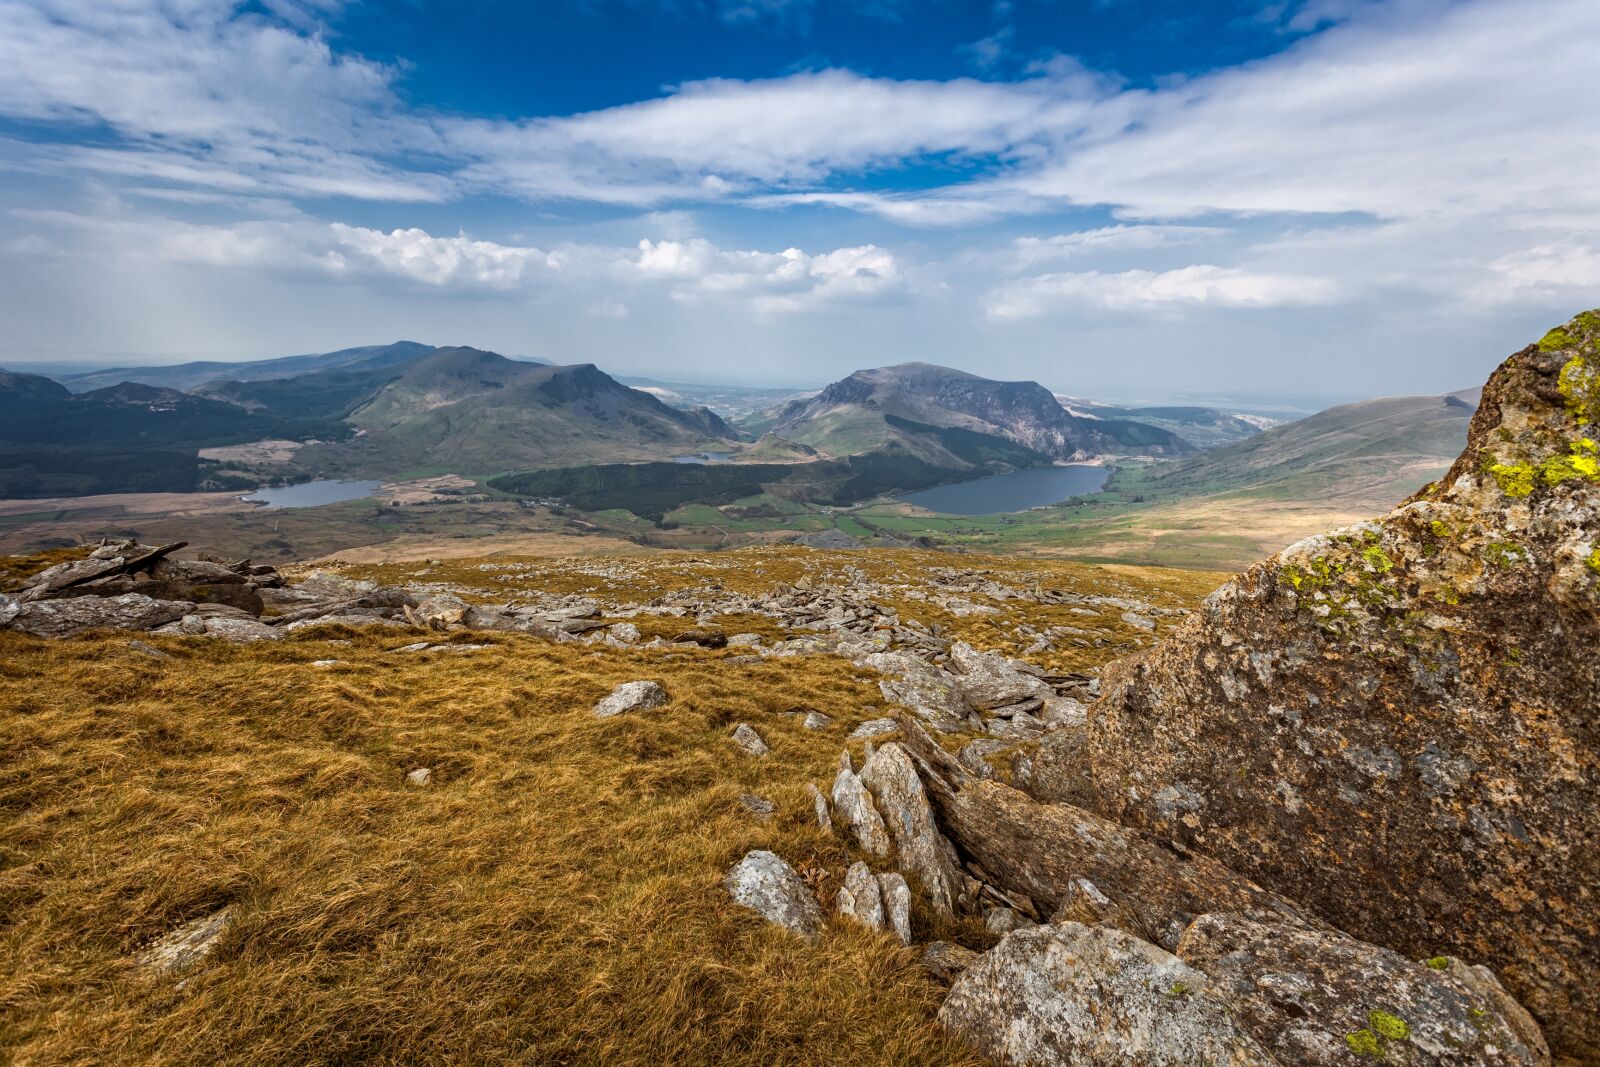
(702, 457)
(311, 494)
(1016, 491)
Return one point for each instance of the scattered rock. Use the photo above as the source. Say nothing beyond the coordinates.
(921, 849)
(188, 944)
(625, 632)
(1002, 921)
(874, 728)
(819, 804)
(750, 742)
(770, 887)
(148, 650)
(241, 631)
(896, 904)
(325, 662)
(989, 680)
(945, 960)
(1139, 622)
(744, 640)
(815, 720)
(631, 696)
(860, 898)
(853, 805)
(705, 638)
(1083, 996)
(758, 806)
(420, 777)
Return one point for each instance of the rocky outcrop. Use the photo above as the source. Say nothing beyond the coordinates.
(853, 807)
(1322, 998)
(62, 618)
(1398, 724)
(920, 848)
(1051, 996)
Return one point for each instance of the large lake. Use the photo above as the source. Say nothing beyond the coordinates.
(311, 494)
(1017, 491)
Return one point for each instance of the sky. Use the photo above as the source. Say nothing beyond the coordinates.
(1130, 199)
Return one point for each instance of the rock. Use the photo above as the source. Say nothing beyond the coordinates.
(770, 887)
(188, 944)
(928, 691)
(744, 640)
(1054, 996)
(815, 720)
(860, 898)
(62, 618)
(420, 777)
(1002, 921)
(1139, 622)
(416, 646)
(989, 680)
(626, 632)
(896, 896)
(148, 650)
(105, 561)
(745, 737)
(357, 622)
(874, 728)
(920, 848)
(439, 612)
(1410, 703)
(1042, 851)
(325, 662)
(945, 960)
(855, 809)
(758, 806)
(631, 696)
(1316, 997)
(702, 636)
(241, 631)
(974, 755)
(819, 805)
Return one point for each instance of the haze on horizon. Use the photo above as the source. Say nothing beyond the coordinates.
(1123, 198)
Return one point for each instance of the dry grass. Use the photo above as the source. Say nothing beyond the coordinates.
(554, 897)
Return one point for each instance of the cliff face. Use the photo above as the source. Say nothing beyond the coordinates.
(1398, 723)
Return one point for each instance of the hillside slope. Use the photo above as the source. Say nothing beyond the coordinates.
(849, 416)
(1372, 452)
(187, 376)
(477, 411)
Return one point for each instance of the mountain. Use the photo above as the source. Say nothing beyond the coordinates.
(1364, 454)
(1201, 427)
(851, 416)
(188, 376)
(22, 393)
(471, 410)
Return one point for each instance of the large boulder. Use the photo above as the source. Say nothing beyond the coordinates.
(990, 680)
(1322, 998)
(1071, 995)
(1398, 724)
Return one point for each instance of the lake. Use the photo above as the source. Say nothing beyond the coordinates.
(1016, 491)
(702, 458)
(311, 494)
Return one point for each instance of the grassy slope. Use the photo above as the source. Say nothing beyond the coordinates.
(555, 895)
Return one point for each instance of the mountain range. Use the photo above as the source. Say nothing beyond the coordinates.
(855, 414)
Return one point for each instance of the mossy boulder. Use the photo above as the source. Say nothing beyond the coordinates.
(1398, 724)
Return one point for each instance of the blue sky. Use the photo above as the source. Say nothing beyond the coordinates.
(1138, 199)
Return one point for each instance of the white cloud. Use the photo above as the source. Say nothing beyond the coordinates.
(1201, 285)
(790, 280)
(1560, 273)
(1031, 251)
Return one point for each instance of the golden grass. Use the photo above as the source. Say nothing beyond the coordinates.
(554, 897)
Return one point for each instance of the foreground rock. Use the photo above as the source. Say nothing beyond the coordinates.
(770, 887)
(1084, 996)
(631, 696)
(920, 848)
(1396, 724)
(63, 618)
(1073, 864)
(1317, 997)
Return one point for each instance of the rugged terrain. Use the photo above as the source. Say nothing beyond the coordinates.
(819, 806)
